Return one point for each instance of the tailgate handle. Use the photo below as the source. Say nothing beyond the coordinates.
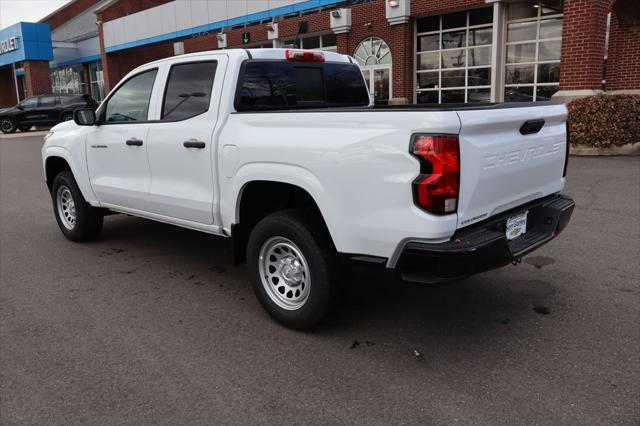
(532, 126)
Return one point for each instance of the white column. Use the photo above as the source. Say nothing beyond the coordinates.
(498, 54)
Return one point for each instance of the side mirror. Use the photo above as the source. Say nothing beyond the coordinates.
(84, 117)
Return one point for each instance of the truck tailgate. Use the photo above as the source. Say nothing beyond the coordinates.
(501, 168)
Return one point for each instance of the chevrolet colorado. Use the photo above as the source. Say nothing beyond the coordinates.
(280, 151)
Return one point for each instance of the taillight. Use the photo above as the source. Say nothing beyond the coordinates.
(304, 56)
(566, 153)
(436, 188)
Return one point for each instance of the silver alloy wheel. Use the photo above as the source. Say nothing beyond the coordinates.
(284, 273)
(66, 207)
(6, 125)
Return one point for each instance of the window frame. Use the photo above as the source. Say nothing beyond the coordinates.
(538, 19)
(102, 110)
(468, 28)
(166, 86)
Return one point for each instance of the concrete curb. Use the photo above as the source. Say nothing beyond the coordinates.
(590, 151)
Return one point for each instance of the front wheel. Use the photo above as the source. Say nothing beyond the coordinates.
(293, 267)
(7, 125)
(77, 220)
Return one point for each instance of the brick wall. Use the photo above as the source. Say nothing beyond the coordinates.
(37, 77)
(121, 62)
(7, 87)
(623, 62)
(583, 44)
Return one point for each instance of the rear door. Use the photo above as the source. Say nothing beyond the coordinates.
(181, 146)
(503, 167)
(117, 147)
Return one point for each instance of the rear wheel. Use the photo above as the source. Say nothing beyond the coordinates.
(7, 125)
(293, 267)
(77, 220)
(24, 128)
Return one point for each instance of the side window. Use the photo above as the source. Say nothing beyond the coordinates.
(131, 101)
(188, 90)
(29, 103)
(47, 101)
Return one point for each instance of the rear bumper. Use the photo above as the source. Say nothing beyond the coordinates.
(484, 246)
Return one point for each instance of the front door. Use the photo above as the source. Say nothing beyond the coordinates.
(181, 151)
(117, 147)
(378, 83)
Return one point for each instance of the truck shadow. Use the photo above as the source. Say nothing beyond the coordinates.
(377, 309)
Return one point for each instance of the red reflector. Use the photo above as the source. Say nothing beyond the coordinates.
(436, 188)
(304, 56)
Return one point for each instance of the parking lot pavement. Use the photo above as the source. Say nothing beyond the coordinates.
(153, 324)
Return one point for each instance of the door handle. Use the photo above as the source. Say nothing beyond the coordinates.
(192, 143)
(134, 142)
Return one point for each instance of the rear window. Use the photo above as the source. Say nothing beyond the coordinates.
(275, 85)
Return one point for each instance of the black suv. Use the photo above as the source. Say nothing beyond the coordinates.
(43, 110)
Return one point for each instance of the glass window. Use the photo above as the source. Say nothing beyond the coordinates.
(480, 36)
(68, 80)
(520, 31)
(429, 42)
(455, 53)
(131, 101)
(29, 103)
(272, 85)
(534, 44)
(96, 78)
(428, 24)
(329, 40)
(453, 78)
(452, 96)
(373, 51)
(518, 53)
(47, 101)
(311, 43)
(429, 61)
(188, 90)
(454, 20)
(454, 58)
(480, 56)
(455, 39)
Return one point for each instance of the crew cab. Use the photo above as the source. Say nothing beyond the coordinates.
(43, 110)
(280, 151)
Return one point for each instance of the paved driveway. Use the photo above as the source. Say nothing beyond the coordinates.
(152, 324)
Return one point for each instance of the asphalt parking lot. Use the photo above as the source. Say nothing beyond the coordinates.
(152, 324)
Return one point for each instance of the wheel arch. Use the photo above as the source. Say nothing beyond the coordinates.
(260, 197)
(57, 159)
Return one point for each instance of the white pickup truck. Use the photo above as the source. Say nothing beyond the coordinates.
(281, 151)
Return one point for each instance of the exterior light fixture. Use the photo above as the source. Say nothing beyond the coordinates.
(270, 28)
(336, 13)
(393, 3)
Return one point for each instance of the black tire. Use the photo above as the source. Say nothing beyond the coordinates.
(7, 125)
(67, 116)
(87, 222)
(307, 232)
(24, 128)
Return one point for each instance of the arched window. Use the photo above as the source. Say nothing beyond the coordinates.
(374, 57)
(373, 51)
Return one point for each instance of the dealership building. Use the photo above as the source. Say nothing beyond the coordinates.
(422, 51)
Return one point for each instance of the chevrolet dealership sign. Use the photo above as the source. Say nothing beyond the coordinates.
(25, 41)
(8, 45)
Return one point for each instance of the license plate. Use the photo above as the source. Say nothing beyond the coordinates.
(517, 225)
